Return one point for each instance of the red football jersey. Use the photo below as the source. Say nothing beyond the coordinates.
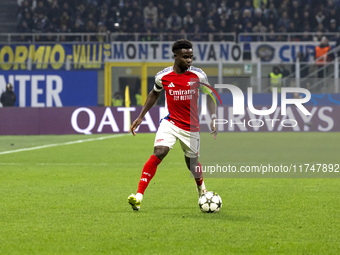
(181, 96)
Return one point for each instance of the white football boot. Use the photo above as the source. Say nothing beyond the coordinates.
(135, 201)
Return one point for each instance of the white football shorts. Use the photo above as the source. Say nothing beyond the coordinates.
(167, 135)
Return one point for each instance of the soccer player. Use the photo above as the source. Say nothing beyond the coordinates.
(181, 83)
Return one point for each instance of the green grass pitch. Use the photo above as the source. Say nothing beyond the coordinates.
(71, 198)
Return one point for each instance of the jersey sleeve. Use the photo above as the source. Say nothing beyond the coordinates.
(204, 80)
(158, 83)
(204, 86)
(205, 89)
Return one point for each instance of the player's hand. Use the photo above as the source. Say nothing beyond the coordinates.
(135, 125)
(213, 129)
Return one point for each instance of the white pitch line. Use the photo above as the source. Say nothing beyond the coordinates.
(61, 144)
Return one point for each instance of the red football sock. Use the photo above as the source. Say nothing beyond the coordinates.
(199, 175)
(148, 173)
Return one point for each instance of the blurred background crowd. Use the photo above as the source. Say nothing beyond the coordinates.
(203, 19)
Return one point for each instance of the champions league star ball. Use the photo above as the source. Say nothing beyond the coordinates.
(210, 202)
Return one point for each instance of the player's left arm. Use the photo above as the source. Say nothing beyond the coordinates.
(212, 110)
(211, 103)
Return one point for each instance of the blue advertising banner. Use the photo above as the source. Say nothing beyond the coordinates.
(53, 56)
(204, 52)
(215, 52)
(52, 88)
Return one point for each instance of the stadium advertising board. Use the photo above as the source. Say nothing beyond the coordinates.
(213, 52)
(205, 52)
(283, 52)
(53, 56)
(93, 55)
(52, 88)
(99, 120)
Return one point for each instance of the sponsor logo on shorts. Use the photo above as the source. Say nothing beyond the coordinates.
(159, 140)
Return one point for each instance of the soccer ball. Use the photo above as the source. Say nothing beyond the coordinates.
(210, 202)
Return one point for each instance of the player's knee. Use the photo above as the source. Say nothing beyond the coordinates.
(161, 151)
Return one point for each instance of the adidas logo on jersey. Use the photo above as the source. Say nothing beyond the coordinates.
(171, 85)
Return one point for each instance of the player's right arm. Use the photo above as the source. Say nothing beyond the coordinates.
(150, 101)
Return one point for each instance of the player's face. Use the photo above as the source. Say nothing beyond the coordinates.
(183, 58)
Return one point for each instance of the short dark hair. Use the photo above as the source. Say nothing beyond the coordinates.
(181, 44)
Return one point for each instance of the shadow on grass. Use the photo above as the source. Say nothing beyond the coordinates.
(187, 212)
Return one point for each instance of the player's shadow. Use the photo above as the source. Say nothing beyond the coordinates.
(180, 211)
(177, 213)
